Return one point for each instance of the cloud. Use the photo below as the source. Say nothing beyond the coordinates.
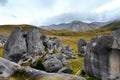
(3, 2)
(108, 7)
(44, 12)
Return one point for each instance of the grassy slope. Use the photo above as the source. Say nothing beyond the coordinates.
(67, 37)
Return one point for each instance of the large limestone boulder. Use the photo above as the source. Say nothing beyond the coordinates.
(52, 64)
(34, 43)
(41, 75)
(103, 57)
(7, 68)
(15, 47)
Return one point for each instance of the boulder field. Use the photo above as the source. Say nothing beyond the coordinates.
(37, 55)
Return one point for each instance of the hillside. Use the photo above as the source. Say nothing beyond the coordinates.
(75, 26)
(113, 25)
(6, 29)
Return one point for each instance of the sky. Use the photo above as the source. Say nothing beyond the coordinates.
(46, 12)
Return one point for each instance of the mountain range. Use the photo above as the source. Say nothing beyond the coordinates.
(76, 26)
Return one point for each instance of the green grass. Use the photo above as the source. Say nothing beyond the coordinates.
(1, 51)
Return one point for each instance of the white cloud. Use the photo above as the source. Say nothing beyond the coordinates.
(42, 12)
(108, 7)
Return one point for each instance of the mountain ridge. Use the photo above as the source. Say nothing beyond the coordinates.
(75, 26)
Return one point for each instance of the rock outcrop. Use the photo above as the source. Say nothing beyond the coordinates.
(3, 40)
(34, 43)
(8, 68)
(52, 64)
(30, 48)
(15, 47)
(82, 47)
(102, 57)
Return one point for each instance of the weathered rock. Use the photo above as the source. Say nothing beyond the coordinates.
(54, 44)
(15, 47)
(82, 47)
(7, 68)
(37, 74)
(116, 35)
(66, 69)
(102, 57)
(50, 46)
(3, 40)
(68, 52)
(44, 39)
(34, 43)
(61, 57)
(52, 64)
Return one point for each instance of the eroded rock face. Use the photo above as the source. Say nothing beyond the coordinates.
(66, 69)
(34, 43)
(82, 47)
(3, 40)
(68, 52)
(53, 44)
(52, 64)
(15, 47)
(29, 49)
(102, 57)
(7, 68)
(37, 74)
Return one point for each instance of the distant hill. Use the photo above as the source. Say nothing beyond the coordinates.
(113, 25)
(75, 26)
(7, 29)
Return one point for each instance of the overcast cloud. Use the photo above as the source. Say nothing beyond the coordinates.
(45, 12)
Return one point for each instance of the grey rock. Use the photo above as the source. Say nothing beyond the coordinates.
(102, 57)
(54, 44)
(61, 57)
(82, 47)
(7, 68)
(44, 39)
(50, 46)
(37, 74)
(3, 40)
(68, 52)
(52, 64)
(34, 43)
(15, 47)
(116, 35)
(66, 69)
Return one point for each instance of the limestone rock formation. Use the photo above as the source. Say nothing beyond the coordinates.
(3, 40)
(15, 47)
(34, 43)
(7, 68)
(52, 64)
(66, 69)
(37, 74)
(82, 47)
(68, 52)
(103, 56)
